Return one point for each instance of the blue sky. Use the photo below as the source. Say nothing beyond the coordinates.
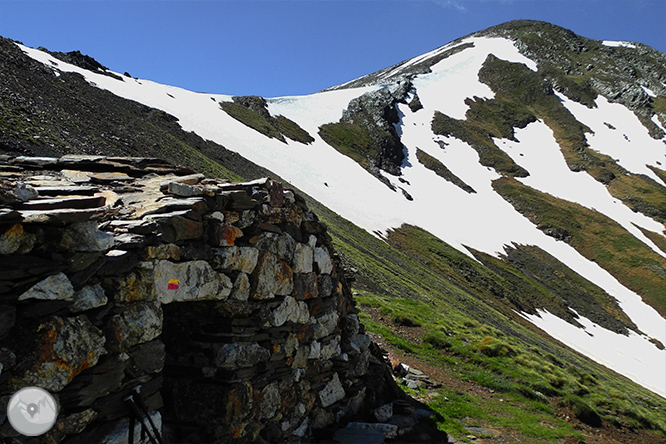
(285, 47)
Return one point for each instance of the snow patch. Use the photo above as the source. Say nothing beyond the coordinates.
(456, 78)
(634, 356)
(648, 91)
(629, 143)
(615, 44)
(539, 153)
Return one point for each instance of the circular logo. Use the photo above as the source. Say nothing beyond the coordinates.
(32, 411)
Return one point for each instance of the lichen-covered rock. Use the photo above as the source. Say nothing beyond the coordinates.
(237, 258)
(56, 287)
(224, 235)
(282, 245)
(15, 239)
(134, 286)
(61, 348)
(138, 323)
(271, 277)
(189, 281)
(305, 286)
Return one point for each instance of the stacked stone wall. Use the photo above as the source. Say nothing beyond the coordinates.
(224, 304)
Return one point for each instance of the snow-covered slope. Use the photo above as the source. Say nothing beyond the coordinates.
(483, 220)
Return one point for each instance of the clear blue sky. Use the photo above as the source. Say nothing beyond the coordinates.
(284, 47)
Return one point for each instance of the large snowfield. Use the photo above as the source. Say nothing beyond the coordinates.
(481, 220)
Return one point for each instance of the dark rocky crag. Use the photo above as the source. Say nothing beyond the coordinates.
(224, 304)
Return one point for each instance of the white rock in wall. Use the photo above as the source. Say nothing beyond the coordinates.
(189, 281)
(291, 310)
(332, 392)
(323, 260)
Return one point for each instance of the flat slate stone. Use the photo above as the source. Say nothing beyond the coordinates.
(60, 216)
(78, 202)
(67, 190)
(110, 177)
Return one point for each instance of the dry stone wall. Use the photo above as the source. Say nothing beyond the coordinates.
(223, 307)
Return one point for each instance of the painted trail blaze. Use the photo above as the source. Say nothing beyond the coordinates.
(173, 284)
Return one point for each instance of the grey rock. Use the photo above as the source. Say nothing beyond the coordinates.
(56, 287)
(282, 245)
(184, 190)
(332, 392)
(189, 281)
(77, 422)
(164, 251)
(388, 430)
(361, 341)
(301, 357)
(315, 350)
(241, 290)
(383, 413)
(86, 236)
(403, 422)
(88, 298)
(270, 401)
(290, 310)
(303, 258)
(354, 435)
(237, 258)
(240, 355)
(140, 322)
(271, 277)
(331, 349)
(321, 418)
(325, 325)
(323, 260)
(302, 430)
(146, 359)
